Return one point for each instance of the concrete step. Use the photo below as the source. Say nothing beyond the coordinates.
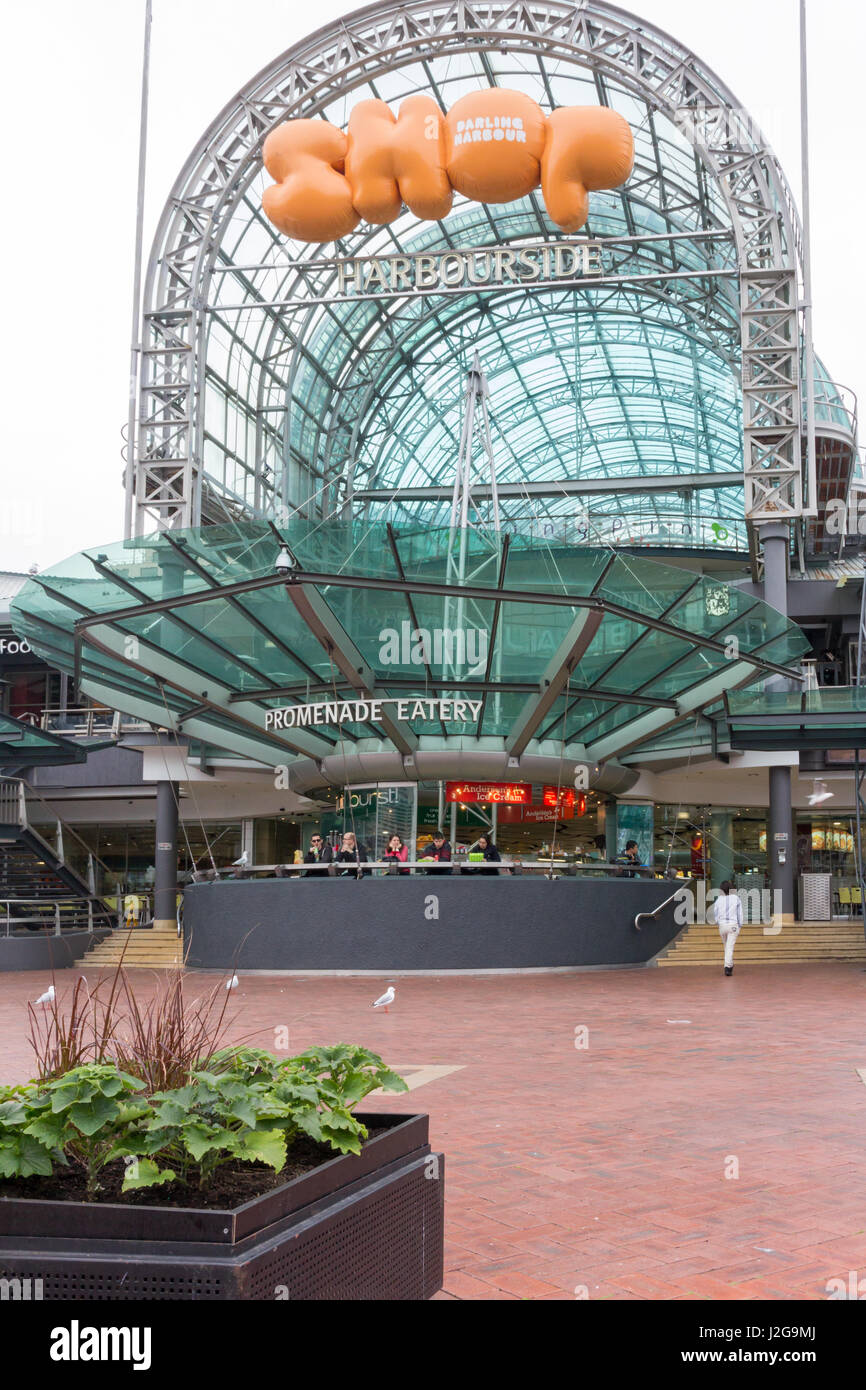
(159, 948)
(799, 943)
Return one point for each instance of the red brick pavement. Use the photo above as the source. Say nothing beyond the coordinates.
(601, 1172)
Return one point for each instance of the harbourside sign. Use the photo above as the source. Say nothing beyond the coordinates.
(541, 263)
(337, 712)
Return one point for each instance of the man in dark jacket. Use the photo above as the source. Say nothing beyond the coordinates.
(318, 853)
(440, 851)
(631, 856)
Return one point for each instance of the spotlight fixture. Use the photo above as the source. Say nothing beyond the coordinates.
(820, 794)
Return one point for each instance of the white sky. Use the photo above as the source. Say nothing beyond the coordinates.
(70, 88)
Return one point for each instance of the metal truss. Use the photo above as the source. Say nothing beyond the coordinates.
(735, 185)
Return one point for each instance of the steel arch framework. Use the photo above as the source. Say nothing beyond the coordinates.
(735, 170)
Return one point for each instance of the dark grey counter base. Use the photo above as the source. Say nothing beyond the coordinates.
(421, 923)
(45, 951)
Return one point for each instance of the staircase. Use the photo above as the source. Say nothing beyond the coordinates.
(154, 948)
(30, 871)
(49, 915)
(802, 943)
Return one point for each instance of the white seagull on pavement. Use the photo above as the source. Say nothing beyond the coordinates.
(47, 997)
(385, 999)
(233, 982)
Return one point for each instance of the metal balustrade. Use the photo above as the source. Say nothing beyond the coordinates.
(516, 867)
(54, 915)
(86, 722)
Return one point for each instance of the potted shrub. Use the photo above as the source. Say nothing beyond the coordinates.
(147, 1162)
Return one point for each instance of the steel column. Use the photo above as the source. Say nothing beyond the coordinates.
(165, 858)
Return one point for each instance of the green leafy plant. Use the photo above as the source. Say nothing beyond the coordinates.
(74, 1119)
(353, 1070)
(244, 1105)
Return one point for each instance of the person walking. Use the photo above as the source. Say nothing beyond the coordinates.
(729, 920)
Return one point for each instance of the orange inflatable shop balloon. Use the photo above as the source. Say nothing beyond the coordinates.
(587, 148)
(494, 142)
(391, 162)
(312, 199)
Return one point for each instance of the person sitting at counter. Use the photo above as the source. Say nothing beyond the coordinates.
(483, 851)
(396, 853)
(440, 851)
(631, 856)
(318, 853)
(350, 852)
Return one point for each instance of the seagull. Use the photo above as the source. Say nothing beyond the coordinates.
(47, 997)
(385, 999)
(232, 983)
(242, 862)
(820, 793)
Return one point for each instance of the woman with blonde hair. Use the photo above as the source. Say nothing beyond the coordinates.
(352, 853)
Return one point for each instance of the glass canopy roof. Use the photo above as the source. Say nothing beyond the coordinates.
(315, 403)
(24, 745)
(308, 403)
(539, 646)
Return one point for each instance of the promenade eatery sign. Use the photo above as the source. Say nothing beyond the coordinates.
(493, 146)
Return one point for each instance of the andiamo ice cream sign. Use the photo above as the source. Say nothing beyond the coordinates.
(493, 146)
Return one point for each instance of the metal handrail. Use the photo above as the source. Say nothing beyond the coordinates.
(22, 787)
(52, 914)
(395, 866)
(85, 721)
(685, 885)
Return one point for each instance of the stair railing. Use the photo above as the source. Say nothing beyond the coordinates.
(55, 914)
(13, 804)
(685, 885)
(24, 788)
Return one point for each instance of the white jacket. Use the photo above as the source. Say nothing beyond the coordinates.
(729, 912)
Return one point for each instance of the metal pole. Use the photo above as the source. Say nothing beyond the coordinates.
(860, 767)
(776, 541)
(165, 861)
(808, 343)
(135, 336)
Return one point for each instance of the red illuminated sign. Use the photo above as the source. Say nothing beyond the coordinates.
(558, 796)
(504, 793)
(565, 801)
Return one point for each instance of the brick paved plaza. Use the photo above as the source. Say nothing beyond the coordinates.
(603, 1168)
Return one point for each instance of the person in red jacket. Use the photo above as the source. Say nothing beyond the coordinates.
(396, 852)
